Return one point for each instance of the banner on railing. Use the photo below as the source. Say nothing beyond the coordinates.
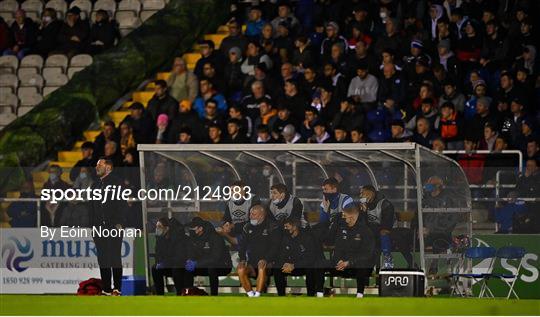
(35, 265)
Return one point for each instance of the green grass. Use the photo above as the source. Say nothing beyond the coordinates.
(236, 305)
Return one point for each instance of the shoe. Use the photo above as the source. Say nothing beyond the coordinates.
(116, 292)
(359, 295)
(388, 262)
(105, 293)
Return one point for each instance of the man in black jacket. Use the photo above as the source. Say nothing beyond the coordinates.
(298, 257)
(47, 33)
(353, 251)
(108, 215)
(73, 35)
(258, 250)
(162, 102)
(170, 254)
(208, 254)
(103, 33)
(88, 160)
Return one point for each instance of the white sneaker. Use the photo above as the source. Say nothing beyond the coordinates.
(359, 295)
(257, 294)
(250, 293)
(320, 294)
(104, 293)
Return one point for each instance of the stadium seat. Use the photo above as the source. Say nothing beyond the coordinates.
(9, 80)
(47, 90)
(84, 5)
(7, 118)
(5, 90)
(146, 14)
(72, 156)
(107, 5)
(31, 80)
(34, 61)
(90, 135)
(57, 60)
(130, 5)
(216, 38)
(8, 16)
(9, 5)
(49, 72)
(508, 254)
(62, 164)
(191, 59)
(153, 4)
(73, 70)
(9, 61)
(56, 80)
(123, 17)
(118, 116)
(8, 101)
(128, 23)
(29, 99)
(223, 29)
(33, 7)
(163, 76)
(59, 5)
(25, 71)
(143, 96)
(81, 60)
(27, 91)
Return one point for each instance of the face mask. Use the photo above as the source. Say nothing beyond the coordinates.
(47, 19)
(254, 222)
(159, 232)
(330, 196)
(382, 15)
(363, 200)
(266, 172)
(83, 176)
(53, 178)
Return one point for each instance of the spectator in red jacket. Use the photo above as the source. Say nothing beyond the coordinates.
(450, 127)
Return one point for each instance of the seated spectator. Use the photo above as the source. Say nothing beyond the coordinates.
(55, 180)
(214, 134)
(162, 102)
(290, 136)
(361, 55)
(212, 116)
(267, 115)
(438, 145)
(357, 135)
(310, 82)
(184, 136)
(399, 133)
(23, 33)
(182, 83)
(293, 99)
(451, 94)
(254, 56)
(263, 135)
(246, 124)
(337, 58)
(302, 55)
(533, 150)
(428, 111)
(424, 135)
(233, 76)
(450, 127)
(472, 163)
(480, 90)
(234, 39)
(340, 135)
(215, 75)
(112, 153)
(448, 60)
(233, 133)
(325, 102)
(416, 53)
(283, 118)
(469, 45)
(108, 133)
(251, 102)
(320, 135)
(209, 54)
(338, 81)
(528, 132)
(48, 32)
(162, 129)
(349, 116)
(255, 23)
(207, 92)
(141, 122)
(507, 211)
(512, 124)
(528, 184)
(283, 42)
(51, 214)
(285, 15)
(88, 160)
(103, 33)
(74, 34)
(23, 214)
(490, 136)
(391, 86)
(187, 118)
(364, 87)
(483, 116)
(425, 92)
(127, 139)
(332, 37)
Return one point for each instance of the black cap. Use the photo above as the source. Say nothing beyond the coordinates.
(87, 145)
(448, 104)
(74, 10)
(362, 65)
(210, 43)
(136, 106)
(398, 123)
(319, 123)
(196, 222)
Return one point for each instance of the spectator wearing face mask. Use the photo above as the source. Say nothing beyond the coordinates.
(47, 33)
(87, 150)
(55, 181)
(103, 33)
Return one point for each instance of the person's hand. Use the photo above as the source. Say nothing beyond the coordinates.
(287, 268)
(306, 124)
(98, 43)
(262, 264)
(190, 265)
(227, 227)
(342, 265)
(160, 265)
(15, 48)
(326, 204)
(118, 226)
(389, 103)
(75, 38)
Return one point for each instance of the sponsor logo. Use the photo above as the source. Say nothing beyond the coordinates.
(397, 281)
(16, 253)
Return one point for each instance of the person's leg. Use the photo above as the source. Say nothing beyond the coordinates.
(311, 281)
(213, 277)
(244, 271)
(116, 261)
(362, 280)
(386, 249)
(262, 274)
(157, 276)
(179, 277)
(280, 280)
(104, 268)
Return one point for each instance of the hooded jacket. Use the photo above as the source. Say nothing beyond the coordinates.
(209, 249)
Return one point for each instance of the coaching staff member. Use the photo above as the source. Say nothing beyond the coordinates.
(258, 249)
(354, 250)
(285, 206)
(108, 215)
(170, 254)
(297, 257)
(208, 254)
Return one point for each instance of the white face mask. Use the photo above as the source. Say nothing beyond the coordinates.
(276, 201)
(83, 176)
(254, 222)
(383, 15)
(159, 232)
(47, 19)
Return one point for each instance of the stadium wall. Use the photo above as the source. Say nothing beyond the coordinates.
(62, 117)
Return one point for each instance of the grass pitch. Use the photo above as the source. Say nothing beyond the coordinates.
(239, 305)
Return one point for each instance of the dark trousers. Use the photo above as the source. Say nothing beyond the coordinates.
(280, 279)
(109, 254)
(361, 275)
(213, 275)
(177, 275)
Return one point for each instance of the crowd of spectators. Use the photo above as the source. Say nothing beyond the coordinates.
(70, 36)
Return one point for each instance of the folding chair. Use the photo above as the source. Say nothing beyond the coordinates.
(475, 254)
(509, 253)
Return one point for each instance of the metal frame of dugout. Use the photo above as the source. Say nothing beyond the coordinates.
(393, 168)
